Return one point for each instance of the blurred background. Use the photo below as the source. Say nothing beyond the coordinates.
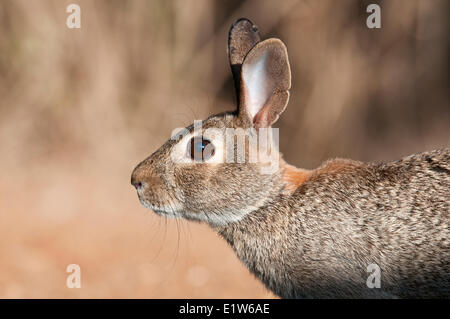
(79, 108)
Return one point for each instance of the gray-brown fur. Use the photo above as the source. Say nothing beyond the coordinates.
(309, 234)
(318, 241)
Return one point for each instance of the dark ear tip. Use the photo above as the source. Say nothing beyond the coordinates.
(242, 21)
(243, 35)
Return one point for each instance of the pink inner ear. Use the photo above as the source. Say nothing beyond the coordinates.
(256, 88)
(271, 110)
(261, 118)
(265, 82)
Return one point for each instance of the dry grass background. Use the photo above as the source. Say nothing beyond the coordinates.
(80, 108)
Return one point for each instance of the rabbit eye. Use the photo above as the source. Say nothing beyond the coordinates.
(200, 149)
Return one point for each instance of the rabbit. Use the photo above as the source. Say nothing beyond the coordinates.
(303, 233)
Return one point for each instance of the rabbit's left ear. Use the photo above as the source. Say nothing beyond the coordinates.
(265, 83)
(242, 38)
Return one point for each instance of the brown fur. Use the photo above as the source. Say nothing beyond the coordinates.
(293, 177)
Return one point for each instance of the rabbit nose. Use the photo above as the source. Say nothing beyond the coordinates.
(137, 178)
(144, 177)
(136, 184)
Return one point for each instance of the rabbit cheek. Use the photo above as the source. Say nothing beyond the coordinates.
(219, 193)
(196, 187)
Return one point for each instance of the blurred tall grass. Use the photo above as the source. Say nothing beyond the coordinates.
(136, 69)
(80, 107)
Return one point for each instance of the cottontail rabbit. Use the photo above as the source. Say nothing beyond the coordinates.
(303, 233)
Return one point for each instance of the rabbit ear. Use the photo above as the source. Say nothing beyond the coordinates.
(265, 83)
(242, 38)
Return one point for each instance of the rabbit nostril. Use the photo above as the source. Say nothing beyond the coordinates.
(136, 184)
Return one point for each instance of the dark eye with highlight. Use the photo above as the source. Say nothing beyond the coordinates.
(200, 149)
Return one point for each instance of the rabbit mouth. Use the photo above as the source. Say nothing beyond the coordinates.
(167, 211)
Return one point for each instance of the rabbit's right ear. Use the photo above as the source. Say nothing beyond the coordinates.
(243, 36)
(265, 83)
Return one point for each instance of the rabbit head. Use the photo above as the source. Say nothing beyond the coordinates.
(220, 169)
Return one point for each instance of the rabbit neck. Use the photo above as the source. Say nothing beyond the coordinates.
(255, 238)
(293, 177)
(263, 239)
(257, 241)
(288, 179)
